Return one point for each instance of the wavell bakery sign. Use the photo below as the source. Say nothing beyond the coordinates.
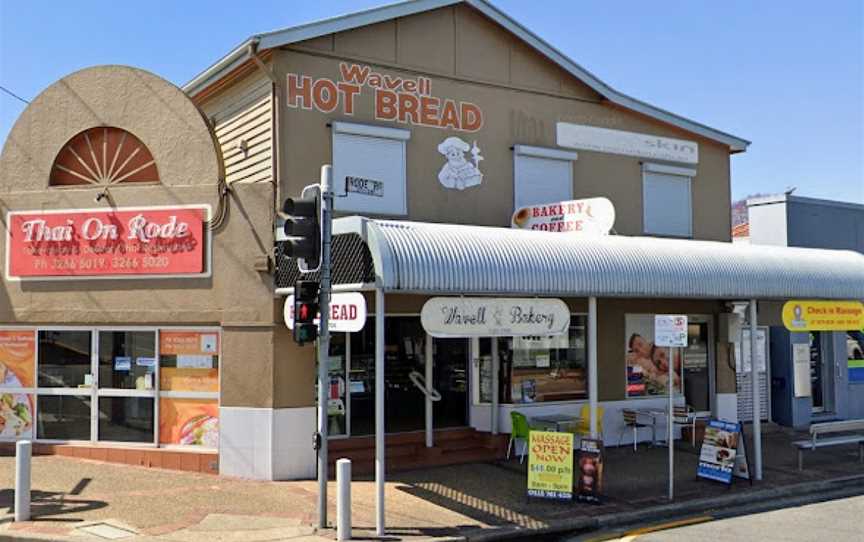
(408, 100)
(105, 243)
(494, 317)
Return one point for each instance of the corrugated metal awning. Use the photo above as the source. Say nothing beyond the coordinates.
(422, 257)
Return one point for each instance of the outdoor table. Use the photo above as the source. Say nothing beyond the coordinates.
(556, 420)
(655, 414)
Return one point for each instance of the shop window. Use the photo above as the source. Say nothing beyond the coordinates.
(189, 387)
(647, 365)
(667, 200)
(544, 369)
(103, 156)
(542, 175)
(369, 167)
(855, 354)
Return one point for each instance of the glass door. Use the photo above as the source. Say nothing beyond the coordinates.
(126, 386)
(65, 380)
(697, 373)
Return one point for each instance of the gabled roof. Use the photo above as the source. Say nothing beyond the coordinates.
(308, 31)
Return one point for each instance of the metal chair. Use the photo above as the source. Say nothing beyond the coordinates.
(685, 416)
(631, 420)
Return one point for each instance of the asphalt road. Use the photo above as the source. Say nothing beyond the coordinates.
(841, 519)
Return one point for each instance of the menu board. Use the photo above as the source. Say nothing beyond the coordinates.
(550, 465)
(719, 449)
(590, 473)
(17, 370)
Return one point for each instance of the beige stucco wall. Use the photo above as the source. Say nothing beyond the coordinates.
(522, 96)
(236, 296)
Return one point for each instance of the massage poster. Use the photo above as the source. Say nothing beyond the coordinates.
(648, 364)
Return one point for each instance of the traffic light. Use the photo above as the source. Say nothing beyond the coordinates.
(303, 229)
(305, 311)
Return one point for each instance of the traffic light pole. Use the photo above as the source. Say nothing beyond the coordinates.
(324, 339)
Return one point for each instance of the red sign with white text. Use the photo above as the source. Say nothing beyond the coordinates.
(113, 242)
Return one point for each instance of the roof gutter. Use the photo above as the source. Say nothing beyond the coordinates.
(237, 56)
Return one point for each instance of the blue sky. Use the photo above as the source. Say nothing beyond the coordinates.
(787, 75)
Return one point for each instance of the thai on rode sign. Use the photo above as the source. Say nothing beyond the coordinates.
(152, 241)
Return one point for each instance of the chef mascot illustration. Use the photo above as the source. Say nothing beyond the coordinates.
(458, 172)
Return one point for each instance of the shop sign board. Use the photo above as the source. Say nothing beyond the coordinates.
(494, 317)
(590, 473)
(723, 454)
(347, 312)
(550, 465)
(589, 217)
(802, 315)
(670, 330)
(131, 242)
(593, 138)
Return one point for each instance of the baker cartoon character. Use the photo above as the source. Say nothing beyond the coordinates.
(458, 172)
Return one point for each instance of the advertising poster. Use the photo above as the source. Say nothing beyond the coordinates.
(550, 465)
(16, 415)
(17, 358)
(590, 482)
(191, 422)
(719, 449)
(189, 360)
(647, 364)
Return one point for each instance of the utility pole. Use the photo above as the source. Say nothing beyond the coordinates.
(324, 340)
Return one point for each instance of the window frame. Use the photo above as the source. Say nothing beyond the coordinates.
(543, 153)
(689, 174)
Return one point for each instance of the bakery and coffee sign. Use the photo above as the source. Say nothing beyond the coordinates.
(104, 243)
(592, 216)
(494, 317)
(408, 100)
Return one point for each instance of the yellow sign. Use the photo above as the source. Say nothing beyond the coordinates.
(823, 315)
(550, 465)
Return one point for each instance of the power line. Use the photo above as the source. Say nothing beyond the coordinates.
(10, 93)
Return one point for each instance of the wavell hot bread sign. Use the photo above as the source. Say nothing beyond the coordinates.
(104, 243)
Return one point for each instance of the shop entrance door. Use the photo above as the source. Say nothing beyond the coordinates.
(126, 368)
(821, 375)
(450, 379)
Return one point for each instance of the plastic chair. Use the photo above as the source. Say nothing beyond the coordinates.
(631, 421)
(519, 432)
(583, 428)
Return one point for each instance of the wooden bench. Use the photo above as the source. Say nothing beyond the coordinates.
(853, 434)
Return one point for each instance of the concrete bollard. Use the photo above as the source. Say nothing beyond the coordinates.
(23, 453)
(343, 499)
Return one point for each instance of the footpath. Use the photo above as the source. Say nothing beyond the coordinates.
(84, 500)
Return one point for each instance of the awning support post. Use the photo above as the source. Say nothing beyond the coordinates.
(592, 364)
(494, 415)
(379, 412)
(430, 420)
(754, 380)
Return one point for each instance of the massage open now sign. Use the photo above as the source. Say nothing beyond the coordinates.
(104, 243)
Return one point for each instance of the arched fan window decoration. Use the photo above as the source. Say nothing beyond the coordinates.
(103, 156)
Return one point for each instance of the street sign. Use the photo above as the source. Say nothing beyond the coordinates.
(670, 330)
(347, 312)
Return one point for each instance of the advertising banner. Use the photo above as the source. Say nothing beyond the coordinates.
(494, 317)
(590, 473)
(719, 449)
(593, 138)
(550, 465)
(189, 360)
(140, 242)
(16, 415)
(193, 422)
(589, 217)
(648, 363)
(823, 315)
(17, 358)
